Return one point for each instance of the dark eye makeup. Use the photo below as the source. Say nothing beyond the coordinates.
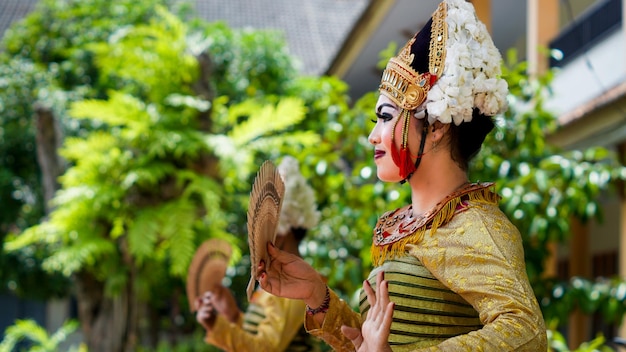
(383, 116)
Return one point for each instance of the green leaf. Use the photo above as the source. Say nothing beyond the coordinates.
(287, 112)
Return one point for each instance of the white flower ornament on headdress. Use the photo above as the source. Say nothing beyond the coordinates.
(471, 75)
(299, 209)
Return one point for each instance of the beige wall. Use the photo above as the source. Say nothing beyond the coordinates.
(603, 236)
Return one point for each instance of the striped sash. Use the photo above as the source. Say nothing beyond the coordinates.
(426, 312)
(302, 342)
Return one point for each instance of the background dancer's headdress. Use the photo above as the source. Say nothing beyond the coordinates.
(299, 210)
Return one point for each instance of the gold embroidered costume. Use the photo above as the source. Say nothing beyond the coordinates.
(457, 277)
(456, 273)
(269, 324)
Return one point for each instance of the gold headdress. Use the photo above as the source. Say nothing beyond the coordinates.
(450, 68)
(401, 82)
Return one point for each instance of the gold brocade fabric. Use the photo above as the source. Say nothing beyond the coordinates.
(270, 323)
(460, 285)
(339, 313)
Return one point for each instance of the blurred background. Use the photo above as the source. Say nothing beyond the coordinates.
(130, 132)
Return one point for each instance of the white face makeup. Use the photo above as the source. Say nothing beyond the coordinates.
(382, 138)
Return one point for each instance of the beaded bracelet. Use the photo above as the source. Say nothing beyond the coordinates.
(322, 308)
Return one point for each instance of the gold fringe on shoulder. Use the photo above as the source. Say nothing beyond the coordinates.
(443, 215)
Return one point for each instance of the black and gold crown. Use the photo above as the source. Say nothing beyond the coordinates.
(409, 76)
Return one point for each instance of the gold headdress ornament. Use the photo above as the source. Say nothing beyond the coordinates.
(401, 82)
(450, 68)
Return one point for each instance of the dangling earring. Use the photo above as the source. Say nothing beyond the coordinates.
(402, 157)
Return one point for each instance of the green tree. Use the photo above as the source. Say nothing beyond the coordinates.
(43, 67)
(23, 86)
(135, 202)
(56, 34)
(144, 188)
(557, 343)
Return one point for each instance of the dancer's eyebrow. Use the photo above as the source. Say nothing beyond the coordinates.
(381, 106)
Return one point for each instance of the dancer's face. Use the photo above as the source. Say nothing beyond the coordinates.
(382, 138)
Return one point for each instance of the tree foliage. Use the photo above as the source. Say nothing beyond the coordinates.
(23, 86)
(44, 63)
(37, 337)
(558, 343)
(56, 35)
(134, 204)
(142, 190)
(246, 63)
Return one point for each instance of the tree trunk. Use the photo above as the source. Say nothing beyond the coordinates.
(205, 164)
(49, 139)
(203, 90)
(109, 324)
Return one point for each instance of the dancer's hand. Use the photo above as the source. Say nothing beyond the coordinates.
(205, 311)
(374, 333)
(289, 276)
(225, 303)
(211, 303)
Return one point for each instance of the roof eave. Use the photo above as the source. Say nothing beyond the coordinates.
(356, 40)
(598, 122)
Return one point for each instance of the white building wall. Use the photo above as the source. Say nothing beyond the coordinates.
(589, 75)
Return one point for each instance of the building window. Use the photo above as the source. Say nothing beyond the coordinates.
(586, 30)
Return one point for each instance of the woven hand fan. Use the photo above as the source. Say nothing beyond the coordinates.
(263, 211)
(207, 268)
